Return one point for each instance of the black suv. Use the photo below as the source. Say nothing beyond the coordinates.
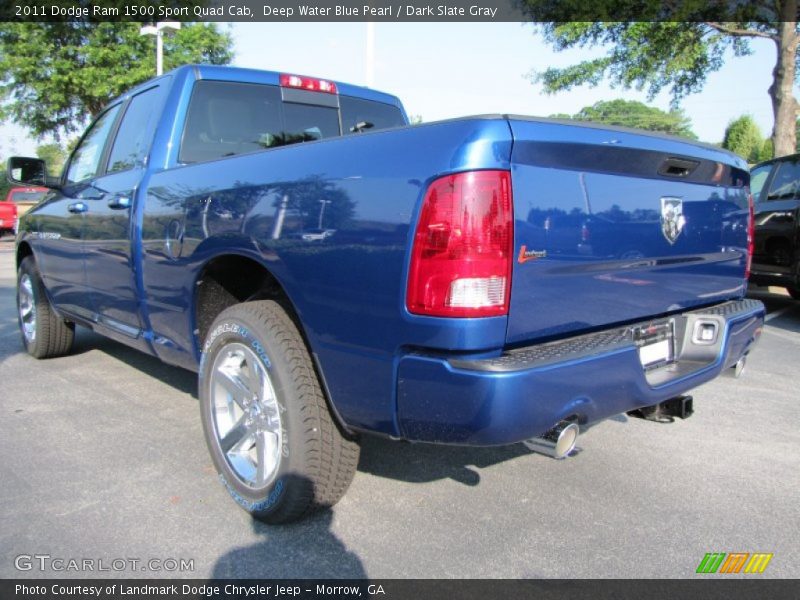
(776, 192)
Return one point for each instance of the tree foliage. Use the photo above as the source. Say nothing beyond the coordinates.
(54, 156)
(55, 76)
(4, 184)
(629, 113)
(743, 137)
(646, 56)
(767, 152)
(675, 54)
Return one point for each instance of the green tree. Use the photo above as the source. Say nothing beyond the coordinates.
(54, 155)
(54, 76)
(629, 113)
(767, 152)
(4, 185)
(743, 137)
(676, 52)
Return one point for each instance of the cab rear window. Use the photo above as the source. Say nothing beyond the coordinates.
(227, 119)
(365, 115)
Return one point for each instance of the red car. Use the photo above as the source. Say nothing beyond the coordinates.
(8, 218)
(10, 208)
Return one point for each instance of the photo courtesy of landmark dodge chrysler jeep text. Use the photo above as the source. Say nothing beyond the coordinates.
(330, 271)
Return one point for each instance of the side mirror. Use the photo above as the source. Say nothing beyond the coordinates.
(26, 171)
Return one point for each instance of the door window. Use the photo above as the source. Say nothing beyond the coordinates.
(133, 137)
(85, 162)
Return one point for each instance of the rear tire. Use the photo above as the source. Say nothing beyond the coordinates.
(44, 333)
(794, 292)
(272, 438)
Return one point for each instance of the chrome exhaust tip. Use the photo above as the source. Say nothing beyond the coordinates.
(556, 443)
(736, 370)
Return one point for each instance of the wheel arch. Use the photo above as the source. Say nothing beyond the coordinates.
(233, 277)
(229, 278)
(24, 250)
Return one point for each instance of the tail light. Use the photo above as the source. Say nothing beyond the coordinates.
(308, 83)
(586, 233)
(751, 236)
(462, 252)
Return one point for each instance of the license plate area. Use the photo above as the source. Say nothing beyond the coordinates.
(655, 344)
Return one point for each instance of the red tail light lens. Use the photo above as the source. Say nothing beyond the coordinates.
(308, 83)
(463, 245)
(751, 236)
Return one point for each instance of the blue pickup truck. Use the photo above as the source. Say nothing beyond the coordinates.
(330, 271)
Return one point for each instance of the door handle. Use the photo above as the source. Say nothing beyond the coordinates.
(119, 203)
(78, 207)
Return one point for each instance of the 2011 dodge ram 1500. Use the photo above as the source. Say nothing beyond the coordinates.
(329, 270)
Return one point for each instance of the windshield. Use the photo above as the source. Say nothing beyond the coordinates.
(785, 182)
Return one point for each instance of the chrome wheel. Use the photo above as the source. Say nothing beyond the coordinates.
(27, 308)
(246, 415)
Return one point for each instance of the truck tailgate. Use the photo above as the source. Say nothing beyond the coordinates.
(613, 226)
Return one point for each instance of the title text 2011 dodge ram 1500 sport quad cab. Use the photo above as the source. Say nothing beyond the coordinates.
(329, 270)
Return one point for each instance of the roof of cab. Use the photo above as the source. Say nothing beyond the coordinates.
(242, 75)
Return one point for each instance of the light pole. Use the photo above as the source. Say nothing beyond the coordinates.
(370, 55)
(158, 31)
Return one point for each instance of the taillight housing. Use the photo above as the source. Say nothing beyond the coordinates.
(308, 83)
(751, 236)
(463, 246)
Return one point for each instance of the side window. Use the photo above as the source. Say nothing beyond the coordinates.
(85, 162)
(786, 182)
(758, 177)
(133, 137)
(366, 115)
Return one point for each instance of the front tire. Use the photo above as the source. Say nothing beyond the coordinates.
(44, 333)
(271, 436)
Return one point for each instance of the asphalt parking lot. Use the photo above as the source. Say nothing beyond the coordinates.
(104, 458)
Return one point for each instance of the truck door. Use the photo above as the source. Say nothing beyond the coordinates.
(61, 220)
(108, 234)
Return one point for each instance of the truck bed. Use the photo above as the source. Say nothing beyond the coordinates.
(349, 284)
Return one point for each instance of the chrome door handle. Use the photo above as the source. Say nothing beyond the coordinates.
(119, 203)
(78, 207)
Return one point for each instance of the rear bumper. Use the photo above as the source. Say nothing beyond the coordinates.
(524, 392)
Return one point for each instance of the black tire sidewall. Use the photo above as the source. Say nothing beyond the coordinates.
(235, 325)
(28, 267)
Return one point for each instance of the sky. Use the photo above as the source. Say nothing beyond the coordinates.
(444, 70)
